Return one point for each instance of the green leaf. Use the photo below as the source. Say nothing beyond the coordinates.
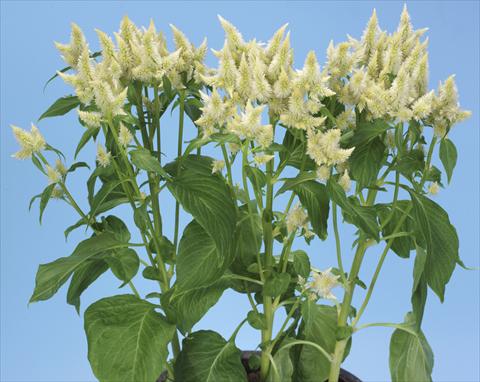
(301, 263)
(99, 205)
(86, 136)
(291, 183)
(124, 263)
(143, 159)
(433, 228)
(366, 161)
(50, 277)
(257, 320)
(295, 154)
(314, 198)
(320, 327)
(198, 261)
(188, 306)
(44, 199)
(363, 217)
(448, 156)
(419, 290)
(61, 107)
(207, 198)
(276, 284)
(257, 177)
(76, 165)
(404, 244)
(411, 358)
(410, 163)
(82, 278)
(127, 339)
(141, 218)
(249, 238)
(284, 364)
(367, 131)
(207, 357)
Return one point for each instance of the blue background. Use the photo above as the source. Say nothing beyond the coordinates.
(46, 342)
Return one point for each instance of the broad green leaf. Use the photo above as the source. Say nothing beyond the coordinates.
(276, 284)
(61, 107)
(143, 159)
(82, 278)
(109, 192)
(448, 156)
(188, 306)
(419, 290)
(295, 154)
(410, 162)
(441, 241)
(248, 242)
(249, 238)
(301, 263)
(314, 198)
(50, 277)
(291, 183)
(404, 244)
(123, 262)
(366, 161)
(86, 136)
(44, 199)
(207, 198)
(116, 227)
(320, 327)
(362, 216)
(257, 178)
(140, 217)
(411, 358)
(257, 320)
(284, 365)
(366, 131)
(198, 261)
(127, 339)
(207, 357)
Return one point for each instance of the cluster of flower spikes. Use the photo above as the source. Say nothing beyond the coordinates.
(140, 54)
(387, 76)
(252, 76)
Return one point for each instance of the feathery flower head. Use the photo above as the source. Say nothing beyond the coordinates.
(53, 175)
(345, 182)
(124, 135)
(60, 167)
(72, 51)
(262, 159)
(103, 156)
(30, 142)
(218, 166)
(324, 148)
(296, 218)
(323, 173)
(92, 119)
(433, 188)
(323, 282)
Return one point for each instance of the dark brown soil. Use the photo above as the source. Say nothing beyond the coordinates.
(254, 375)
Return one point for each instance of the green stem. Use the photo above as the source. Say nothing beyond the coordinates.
(179, 164)
(338, 244)
(269, 263)
(227, 164)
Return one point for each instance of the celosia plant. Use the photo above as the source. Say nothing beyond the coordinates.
(327, 140)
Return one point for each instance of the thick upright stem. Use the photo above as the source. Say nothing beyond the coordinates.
(179, 154)
(345, 309)
(269, 262)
